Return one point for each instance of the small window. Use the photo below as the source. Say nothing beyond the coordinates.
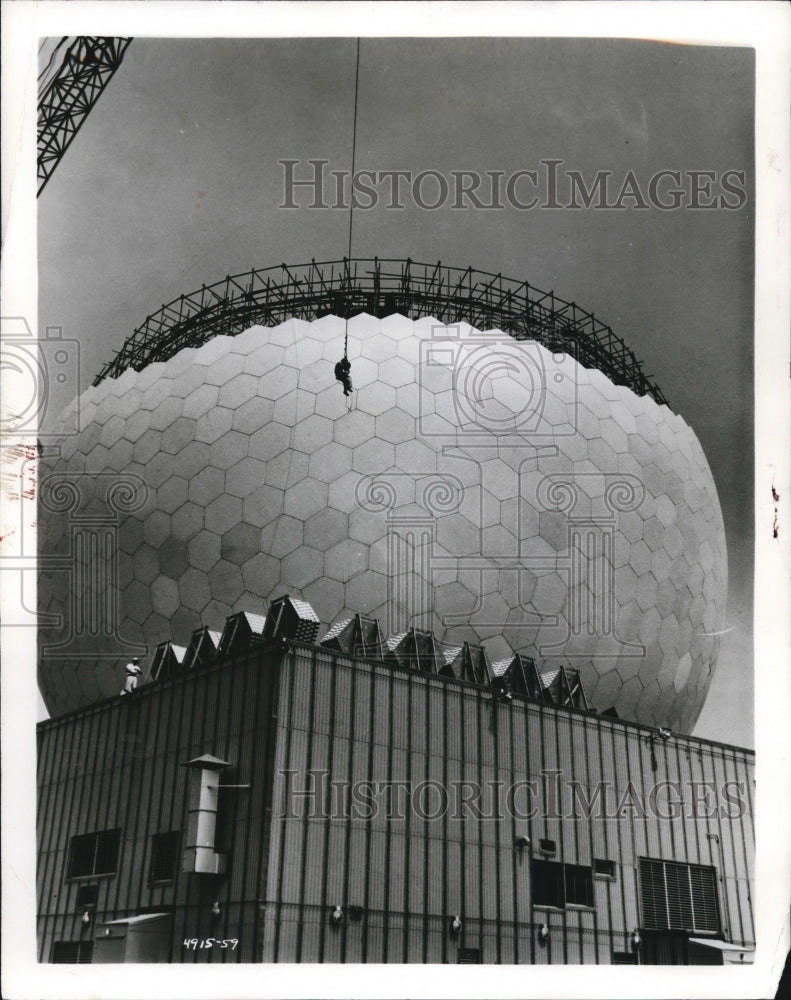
(604, 867)
(72, 952)
(469, 956)
(87, 895)
(547, 883)
(623, 958)
(547, 846)
(165, 852)
(556, 884)
(579, 885)
(94, 854)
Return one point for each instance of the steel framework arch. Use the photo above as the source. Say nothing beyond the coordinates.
(381, 287)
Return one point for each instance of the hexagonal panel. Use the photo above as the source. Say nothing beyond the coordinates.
(225, 581)
(204, 550)
(173, 557)
(213, 424)
(229, 449)
(238, 390)
(311, 434)
(194, 590)
(261, 574)
(395, 426)
(253, 415)
(330, 462)
(287, 469)
(245, 477)
(166, 413)
(223, 513)
(261, 506)
(172, 494)
(302, 567)
(200, 401)
(164, 596)
(187, 521)
(146, 446)
(206, 486)
(177, 435)
(326, 528)
(375, 398)
(310, 497)
(241, 543)
(269, 441)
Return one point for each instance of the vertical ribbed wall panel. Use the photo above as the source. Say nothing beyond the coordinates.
(119, 764)
(745, 781)
(411, 862)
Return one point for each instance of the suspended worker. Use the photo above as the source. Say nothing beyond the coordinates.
(343, 373)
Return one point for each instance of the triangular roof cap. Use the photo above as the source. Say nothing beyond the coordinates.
(256, 622)
(336, 629)
(207, 761)
(303, 609)
(500, 667)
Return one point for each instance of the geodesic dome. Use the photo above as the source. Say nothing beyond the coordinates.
(479, 487)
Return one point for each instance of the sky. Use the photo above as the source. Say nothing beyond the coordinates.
(175, 180)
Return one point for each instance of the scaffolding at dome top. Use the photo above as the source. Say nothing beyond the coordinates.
(381, 287)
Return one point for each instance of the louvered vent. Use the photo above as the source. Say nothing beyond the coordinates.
(678, 896)
(73, 953)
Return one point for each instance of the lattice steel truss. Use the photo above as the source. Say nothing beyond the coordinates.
(66, 99)
(381, 287)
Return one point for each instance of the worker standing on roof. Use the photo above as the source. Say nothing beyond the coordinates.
(133, 671)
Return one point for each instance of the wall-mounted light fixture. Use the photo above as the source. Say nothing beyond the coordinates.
(522, 842)
(215, 910)
(456, 925)
(636, 939)
(85, 920)
(543, 932)
(337, 915)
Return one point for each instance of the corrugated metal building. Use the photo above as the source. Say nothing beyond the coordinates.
(271, 798)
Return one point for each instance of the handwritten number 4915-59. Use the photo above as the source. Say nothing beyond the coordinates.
(197, 943)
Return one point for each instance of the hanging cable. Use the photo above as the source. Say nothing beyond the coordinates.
(351, 194)
(343, 368)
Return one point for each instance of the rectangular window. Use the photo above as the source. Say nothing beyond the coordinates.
(547, 883)
(165, 853)
(547, 846)
(579, 885)
(72, 952)
(469, 956)
(556, 884)
(679, 896)
(94, 854)
(604, 867)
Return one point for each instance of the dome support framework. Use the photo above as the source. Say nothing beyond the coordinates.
(381, 287)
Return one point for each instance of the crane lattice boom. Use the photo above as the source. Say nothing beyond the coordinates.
(65, 99)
